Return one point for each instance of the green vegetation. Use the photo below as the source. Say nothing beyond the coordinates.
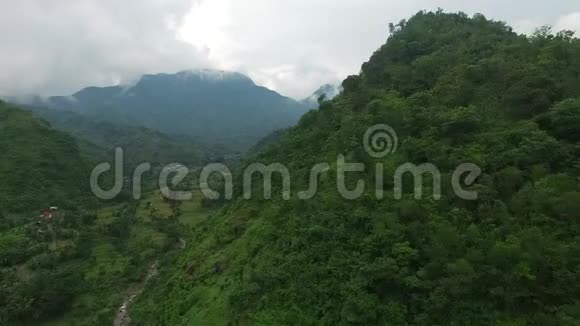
(98, 140)
(456, 89)
(215, 108)
(77, 266)
(39, 166)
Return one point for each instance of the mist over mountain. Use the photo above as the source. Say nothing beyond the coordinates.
(213, 107)
(438, 186)
(326, 92)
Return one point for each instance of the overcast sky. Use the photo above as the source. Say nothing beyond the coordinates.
(293, 46)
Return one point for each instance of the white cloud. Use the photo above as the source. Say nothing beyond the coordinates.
(57, 47)
(526, 26)
(568, 22)
(293, 46)
(205, 26)
(296, 46)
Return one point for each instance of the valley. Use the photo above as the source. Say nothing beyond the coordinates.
(443, 177)
(120, 252)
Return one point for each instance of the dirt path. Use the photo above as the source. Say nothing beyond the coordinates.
(122, 318)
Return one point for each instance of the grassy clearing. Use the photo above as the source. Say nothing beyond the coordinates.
(106, 215)
(192, 211)
(153, 204)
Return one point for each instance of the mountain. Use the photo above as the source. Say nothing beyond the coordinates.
(456, 90)
(39, 166)
(326, 92)
(75, 263)
(98, 139)
(213, 107)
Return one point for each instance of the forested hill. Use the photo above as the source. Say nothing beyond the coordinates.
(39, 166)
(456, 89)
(74, 264)
(214, 107)
(98, 139)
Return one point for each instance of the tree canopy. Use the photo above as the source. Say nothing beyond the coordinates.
(456, 89)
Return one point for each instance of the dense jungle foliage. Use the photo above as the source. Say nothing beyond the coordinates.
(39, 166)
(74, 267)
(456, 89)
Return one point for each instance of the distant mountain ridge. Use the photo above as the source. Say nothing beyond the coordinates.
(214, 107)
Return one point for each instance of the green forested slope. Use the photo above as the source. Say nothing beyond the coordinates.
(77, 267)
(212, 107)
(456, 89)
(39, 166)
(98, 140)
